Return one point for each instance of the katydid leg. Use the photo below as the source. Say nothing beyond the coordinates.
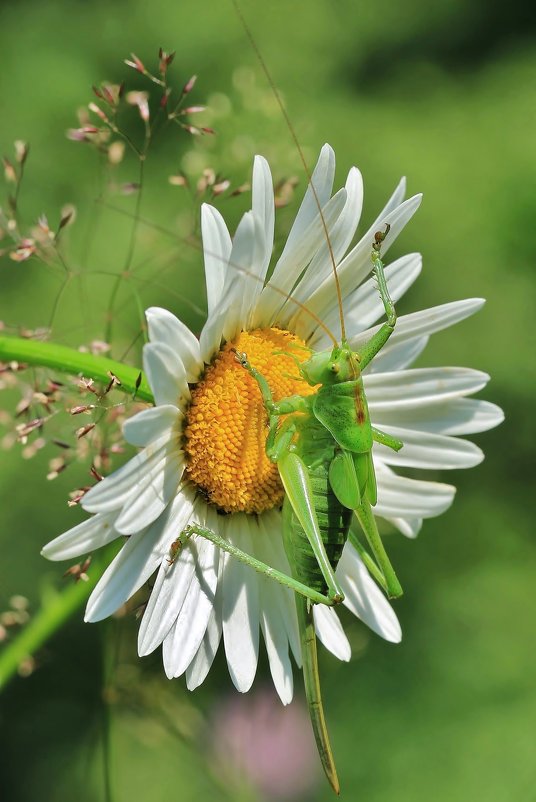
(296, 482)
(386, 439)
(370, 565)
(259, 566)
(279, 437)
(293, 472)
(378, 340)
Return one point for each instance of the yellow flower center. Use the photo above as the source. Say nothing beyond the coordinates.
(227, 423)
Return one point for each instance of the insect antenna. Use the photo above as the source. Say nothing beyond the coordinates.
(194, 243)
(301, 154)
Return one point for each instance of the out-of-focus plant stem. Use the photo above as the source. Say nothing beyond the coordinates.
(69, 360)
(56, 609)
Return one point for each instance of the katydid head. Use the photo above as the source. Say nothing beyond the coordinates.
(340, 364)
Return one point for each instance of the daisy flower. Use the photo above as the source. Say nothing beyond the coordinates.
(203, 455)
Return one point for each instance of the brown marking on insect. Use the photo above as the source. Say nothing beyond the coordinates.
(359, 406)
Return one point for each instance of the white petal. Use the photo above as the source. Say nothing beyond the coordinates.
(202, 661)
(217, 250)
(270, 525)
(247, 245)
(136, 561)
(455, 417)
(394, 201)
(167, 597)
(409, 527)
(330, 632)
(264, 209)
(291, 263)
(363, 307)
(356, 265)
(87, 536)
(397, 357)
(428, 451)
(224, 320)
(240, 609)
(254, 280)
(152, 424)
(199, 667)
(277, 649)
(165, 328)
(127, 572)
(322, 180)
(360, 255)
(273, 625)
(364, 598)
(341, 236)
(358, 260)
(183, 641)
(152, 494)
(409, 389)
(165, 374)
(111, 493)
(427, 321)
(400, 497)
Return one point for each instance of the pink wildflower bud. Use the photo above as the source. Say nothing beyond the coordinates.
(192, 129)
(84, 430)
(141, 100)
(217, 189)
(193, 109)
(95, 474)
(178, 180)
(24, 429)
(189, 85)
(135, 63)
(81, 408)
(24, 251)
(68, 214)
(21, 151)
(10, 174)
(165, 60)
(98, 111)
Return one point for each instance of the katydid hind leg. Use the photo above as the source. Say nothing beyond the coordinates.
(296, 482)
(372, 485)
(312, 595)
(313, 695)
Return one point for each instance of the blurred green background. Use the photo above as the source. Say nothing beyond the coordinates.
(444, 93)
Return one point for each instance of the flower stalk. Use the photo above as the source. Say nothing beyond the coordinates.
(56, 609)
(69, 360)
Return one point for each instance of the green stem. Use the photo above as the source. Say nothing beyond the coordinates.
(69, 360)
(110, 660)
(56, 608)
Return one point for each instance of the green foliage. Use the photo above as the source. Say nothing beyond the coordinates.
(444, 93)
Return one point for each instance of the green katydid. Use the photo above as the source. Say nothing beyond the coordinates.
(322, 446)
